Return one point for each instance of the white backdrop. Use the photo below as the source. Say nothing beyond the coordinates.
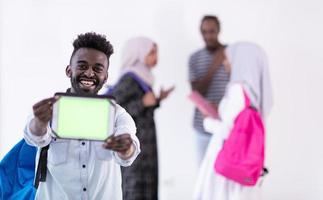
(36, 42)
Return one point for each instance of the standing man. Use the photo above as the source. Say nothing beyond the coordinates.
(207, 76)
(82, 169)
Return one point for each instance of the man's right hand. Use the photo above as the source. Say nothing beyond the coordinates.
(43, 112)
(202, 84)
(219, 58)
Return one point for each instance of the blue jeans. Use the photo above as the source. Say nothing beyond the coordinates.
(202, 141)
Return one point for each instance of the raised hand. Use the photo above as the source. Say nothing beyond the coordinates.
(164, 93)
(219, 58)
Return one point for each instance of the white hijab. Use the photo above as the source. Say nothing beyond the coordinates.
(249, 66)
(133, 58)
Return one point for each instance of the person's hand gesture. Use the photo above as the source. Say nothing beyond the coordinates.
(219, 58)
(164, 93)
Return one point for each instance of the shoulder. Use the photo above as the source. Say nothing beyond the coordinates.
(119, 109)
(198, 53)
(233, 99)
(235, 89)
(127, 80)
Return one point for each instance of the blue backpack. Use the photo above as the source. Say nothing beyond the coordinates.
(17, 172)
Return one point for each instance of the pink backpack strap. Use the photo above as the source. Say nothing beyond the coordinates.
(246, 98)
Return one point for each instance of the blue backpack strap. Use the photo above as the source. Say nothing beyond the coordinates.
(17, 171)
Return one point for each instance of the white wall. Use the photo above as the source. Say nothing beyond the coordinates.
(35, 46)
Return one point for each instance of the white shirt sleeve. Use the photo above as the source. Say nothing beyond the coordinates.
(211, 125)
(230, 106)
(125, 124)
(34, 140)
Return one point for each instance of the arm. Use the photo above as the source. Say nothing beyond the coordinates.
(150, 100)
(163, 94)
(37, 131)
(232, 103)
(124, 143)
(211, 125)
(230, 106)
(202, 84)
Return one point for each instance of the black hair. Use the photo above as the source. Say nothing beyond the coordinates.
(94, 41)
(213, 18)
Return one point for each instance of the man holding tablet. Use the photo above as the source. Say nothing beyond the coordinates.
(83, 164)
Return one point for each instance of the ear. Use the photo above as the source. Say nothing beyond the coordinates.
(68, 71)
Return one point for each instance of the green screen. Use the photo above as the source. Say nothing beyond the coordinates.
(83, 118)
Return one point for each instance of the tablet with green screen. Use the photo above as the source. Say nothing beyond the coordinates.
(83, 117)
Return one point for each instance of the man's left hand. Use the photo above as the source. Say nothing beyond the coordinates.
(122, 144)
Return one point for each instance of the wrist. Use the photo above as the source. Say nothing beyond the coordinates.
(127, 154)
(38, 127)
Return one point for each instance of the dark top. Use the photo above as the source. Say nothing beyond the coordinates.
(140, 180)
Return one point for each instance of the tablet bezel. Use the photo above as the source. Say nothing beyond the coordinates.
(112, 113)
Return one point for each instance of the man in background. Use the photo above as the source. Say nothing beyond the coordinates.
(207, 76)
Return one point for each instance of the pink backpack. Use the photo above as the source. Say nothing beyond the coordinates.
(241, 158)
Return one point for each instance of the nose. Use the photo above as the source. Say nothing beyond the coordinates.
(209, 36)
(89, 72)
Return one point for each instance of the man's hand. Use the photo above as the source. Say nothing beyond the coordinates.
(218, 58)
(122, 144)
(43, 112)
(202, 85)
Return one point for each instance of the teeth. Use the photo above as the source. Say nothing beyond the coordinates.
(87, 83)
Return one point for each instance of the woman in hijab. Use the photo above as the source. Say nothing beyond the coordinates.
(134, 92)
(249, 72)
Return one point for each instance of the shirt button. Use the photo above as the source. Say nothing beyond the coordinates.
(83, 166)
(84, 189)
(83, 143)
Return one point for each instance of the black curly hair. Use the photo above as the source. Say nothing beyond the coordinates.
(95, 41)
(213, 18)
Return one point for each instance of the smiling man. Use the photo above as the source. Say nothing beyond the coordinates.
(80, 169)
(87, 70)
